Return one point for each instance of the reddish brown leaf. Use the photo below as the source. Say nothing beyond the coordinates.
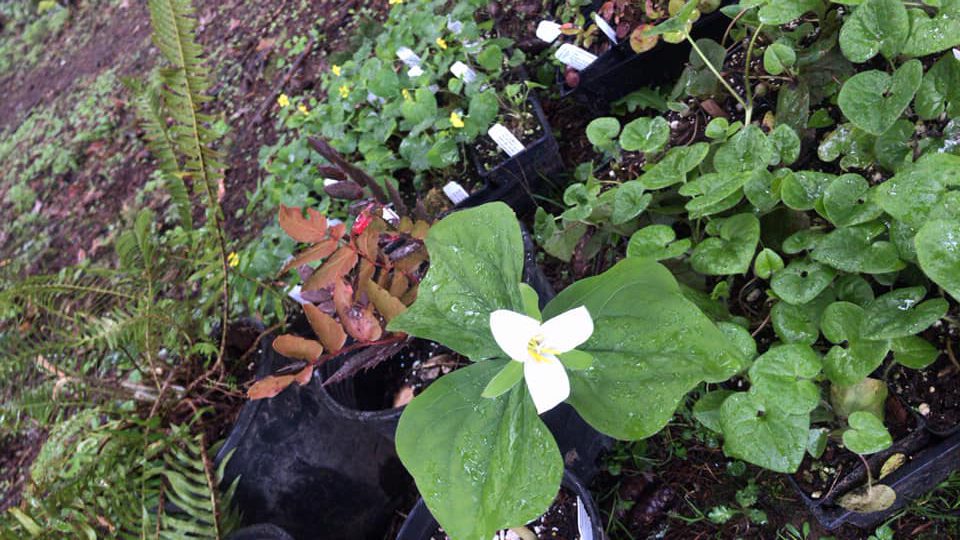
(640, 42)
(420, 229)
(409, 296)
(269, 387)
(311, 254)
(399, 284)
(329, 171)
(298, 347)
(310, 230)
(332, 269)
(329, 331)
(346, 190)
(388, 305)
(336, 231)
(367, 243)
(359, 322)
(366, 271)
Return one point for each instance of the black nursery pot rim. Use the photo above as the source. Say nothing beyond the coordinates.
(547, 136)
(348, 412)
(421, 525)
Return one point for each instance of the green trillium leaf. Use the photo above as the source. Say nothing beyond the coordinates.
(644, 361)
(732, 251)
(874, 100)
(471, 275)
(481, 450)
(504, 380)
(866, 434)
(938, 251)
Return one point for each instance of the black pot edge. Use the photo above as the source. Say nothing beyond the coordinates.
(620, 56)
(420, 524)
(545, 140)
(928, 469)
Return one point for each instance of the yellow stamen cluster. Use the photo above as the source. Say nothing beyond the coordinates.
(537, 351)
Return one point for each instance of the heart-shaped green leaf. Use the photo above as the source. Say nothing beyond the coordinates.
(930, 35)
(500, 444)
(732, 252)
(629, 201)
(766, 263)
(938, 251)
(709, 189)
(780, 378)
(674, 166)
(867, 434)
(801, 281)
(645, 135)
(656, 242)
(602, 133)
(851, 250)
(841, 323)
(786, 144)
(915, 192)
(777, 57)
(875, 26)
(874, 100)
(740, 338)
(803, 189)
(763, 435)
(940, 90)
(901, 313)
(796, 323)
(854, 288)
(645, 361)
(777, 12)
(847, 201)
(748, 150)
(763, 188)
(914, 352)
(707, 409)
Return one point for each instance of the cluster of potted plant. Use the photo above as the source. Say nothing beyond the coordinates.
(787, 221)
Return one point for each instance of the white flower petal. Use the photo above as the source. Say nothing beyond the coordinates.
(513, 331)
(547, 382)
(567, 330)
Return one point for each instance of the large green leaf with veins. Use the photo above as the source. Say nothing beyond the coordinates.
(873, 100)
(876, 26)
(763, 435)
(476, 262)
(645, 360)
(930, 35)
(480, 464)
(915, 192)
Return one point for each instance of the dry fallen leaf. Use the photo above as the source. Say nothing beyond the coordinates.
(892, 463)
(864, 500)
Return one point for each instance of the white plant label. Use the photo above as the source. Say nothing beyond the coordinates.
(574, 56)
(505, 140)
(327, 182)
(455, 192)
(414, 72)
(408, 57)
(389, 215)
(605, 27)
(956, 54)
(584, 525)
(548, 31)
(463, 72)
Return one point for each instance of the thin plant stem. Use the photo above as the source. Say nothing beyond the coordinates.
(748, 108)
(716, 73)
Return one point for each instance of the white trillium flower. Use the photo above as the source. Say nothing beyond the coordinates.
(536, 345)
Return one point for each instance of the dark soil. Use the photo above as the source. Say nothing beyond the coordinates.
(559, 522)
(17, 453)
(933, 391)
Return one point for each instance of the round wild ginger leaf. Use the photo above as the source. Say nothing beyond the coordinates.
(602, 131)
(746, 151)
(777, 57)
(645, 135)
(867, 434)
(781, 378)
(930, 35)
(852, 250)
(914, 352)
(674, 166)
(801, 281)
(764, 436)
(629, 201)
(874, 100)
(876, 26)
(732, 251)
(656, 242)
(938, 251)
(766, 263)
(847, 201)
(901, 313)
(707, 409)
(803, 189)
(917, 190)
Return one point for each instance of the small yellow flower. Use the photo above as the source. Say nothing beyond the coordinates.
(233, 259)
(395, 2)
(303, 108)
(442, 43)
(455, 120)
(406, 94)
(336, 70)
(283, 101)
(344, 91)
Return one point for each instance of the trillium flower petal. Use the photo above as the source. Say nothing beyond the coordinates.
(567, 330)
(547, 382)
(512, 332)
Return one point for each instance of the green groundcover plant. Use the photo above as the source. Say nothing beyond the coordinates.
(842, 198)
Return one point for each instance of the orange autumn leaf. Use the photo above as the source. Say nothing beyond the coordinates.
(388, 305)
(310, 229)
(272, 385)
(332, 269)
(358, 321)
(298, 347)
(331, 334)
(311, 254)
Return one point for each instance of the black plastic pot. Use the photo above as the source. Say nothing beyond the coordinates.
(264, 531)
(620, 70)
(519, 179)
(917, 477)
(420, 524)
